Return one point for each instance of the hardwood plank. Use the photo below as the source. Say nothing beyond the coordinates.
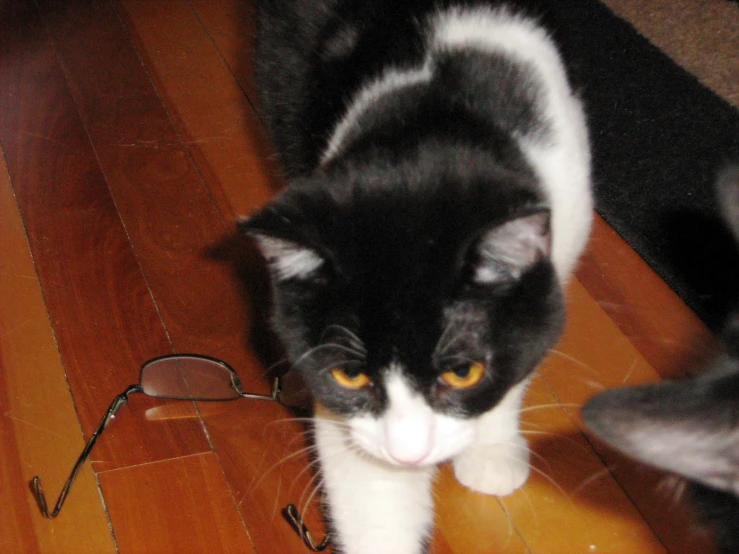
(467, 522)
(100, 305)
(188, 494)
(223, 134)
(231, 26)
(265, 454)
(569, 504)
(39, 430)
(168, 214)
(667, 333)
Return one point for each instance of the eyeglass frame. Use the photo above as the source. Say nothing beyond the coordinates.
(290, 512)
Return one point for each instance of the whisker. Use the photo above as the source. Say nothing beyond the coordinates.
(541, 472)
(315, 464)
(357, 342)
(315, 349)
(508, 517)
(304, 420)
(467, 329)
(304, 502)
(299, 452)
(316, 478)
(274, 365)
(441, 349)
(544, 406)
(440, 346)
(332, 365)
(275, 506)
(461, 357)
(574, 360)
(594, 384)
(594, 477)
(672, 486)
(559, 436)
(551, 480)
(529, 502)
(631, 370)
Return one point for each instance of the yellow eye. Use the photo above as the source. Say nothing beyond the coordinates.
(464, 377)
(353, 381)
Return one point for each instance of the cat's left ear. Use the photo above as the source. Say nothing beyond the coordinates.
(504, 252)
(287, 256)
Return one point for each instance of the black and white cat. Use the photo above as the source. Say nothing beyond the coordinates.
(438, 199)
(689, 426)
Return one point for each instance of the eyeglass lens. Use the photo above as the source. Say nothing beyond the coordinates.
(190, 378)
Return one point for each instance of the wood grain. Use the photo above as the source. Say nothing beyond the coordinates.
(223, 133)
(200, 508)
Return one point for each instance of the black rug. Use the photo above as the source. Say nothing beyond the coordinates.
(659, 137)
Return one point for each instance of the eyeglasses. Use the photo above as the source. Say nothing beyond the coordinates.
(197, 378)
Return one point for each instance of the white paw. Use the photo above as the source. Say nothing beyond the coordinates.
(497, 469)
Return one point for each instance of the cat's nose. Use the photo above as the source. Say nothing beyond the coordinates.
(410, 460)
(408, 441)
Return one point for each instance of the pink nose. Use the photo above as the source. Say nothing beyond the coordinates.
(408, 459)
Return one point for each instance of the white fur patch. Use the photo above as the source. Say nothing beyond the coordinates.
(287, 259)
(375, 506)
(393, 80)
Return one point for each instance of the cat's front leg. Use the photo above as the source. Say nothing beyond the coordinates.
(374, 507)
(497, 462)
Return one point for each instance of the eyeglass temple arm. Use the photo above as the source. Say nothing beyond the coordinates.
(296, 521)
(38, 491)
(274, 395)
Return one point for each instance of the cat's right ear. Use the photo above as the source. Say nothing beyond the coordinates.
(286, 255)
(505, 252)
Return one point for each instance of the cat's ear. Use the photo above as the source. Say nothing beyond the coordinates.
(287, 255)
(688, 427)
(503, 253)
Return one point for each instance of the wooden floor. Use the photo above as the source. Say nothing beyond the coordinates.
(129, 147)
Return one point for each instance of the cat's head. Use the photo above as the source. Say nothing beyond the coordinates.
(688, 426)
(411, 300)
